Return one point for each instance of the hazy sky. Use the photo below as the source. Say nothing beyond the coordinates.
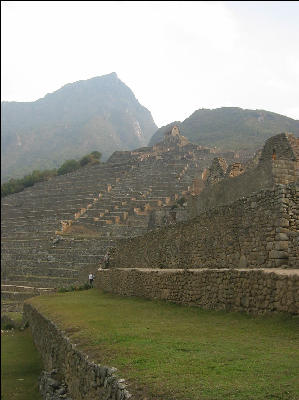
(177, 57)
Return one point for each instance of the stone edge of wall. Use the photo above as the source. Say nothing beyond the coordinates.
(80, 374)
(254, 291)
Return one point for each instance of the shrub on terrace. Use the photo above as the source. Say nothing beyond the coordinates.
(17, 185)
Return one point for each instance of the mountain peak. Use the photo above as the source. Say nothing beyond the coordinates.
(100, 113)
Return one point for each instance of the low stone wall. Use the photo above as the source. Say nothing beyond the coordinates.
(252, 291)
(260, 231)
(83, 378)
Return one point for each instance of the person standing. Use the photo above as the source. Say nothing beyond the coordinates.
(91, 278)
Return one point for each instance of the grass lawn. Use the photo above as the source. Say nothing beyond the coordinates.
(20, 366)
(181, 353)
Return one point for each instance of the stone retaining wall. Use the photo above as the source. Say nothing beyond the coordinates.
(252, 291)
(260, 231)
(84, 378)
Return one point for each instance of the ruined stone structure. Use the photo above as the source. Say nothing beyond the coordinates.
(242, 215)
(245, 217)
(278, 164)
(56, 232)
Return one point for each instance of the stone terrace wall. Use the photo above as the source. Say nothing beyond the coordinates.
(84, 378)
(254, 232)
(252, 291)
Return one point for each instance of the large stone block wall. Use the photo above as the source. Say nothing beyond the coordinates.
(230, 189)
(84, 378)
(251, 291)
(254, 232)
(278, 164)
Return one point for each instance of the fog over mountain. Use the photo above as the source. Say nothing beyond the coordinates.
(100, 114)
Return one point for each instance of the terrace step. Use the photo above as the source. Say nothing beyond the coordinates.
(15, 288)
(11, 306)
(17, 296)
(43, 281)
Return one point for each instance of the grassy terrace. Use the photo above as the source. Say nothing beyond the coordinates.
(179, 353)
(21, 366)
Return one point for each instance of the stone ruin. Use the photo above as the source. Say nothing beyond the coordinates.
(56, 232)
(235, 246)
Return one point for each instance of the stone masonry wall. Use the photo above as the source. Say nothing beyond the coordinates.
(252, 291)
(230, 189)
(84, 378)
(278, 164)
(260, 231)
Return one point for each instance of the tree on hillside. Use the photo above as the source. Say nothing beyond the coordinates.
(92, 158)
(68, 166)
(17, 185)
(96, 154)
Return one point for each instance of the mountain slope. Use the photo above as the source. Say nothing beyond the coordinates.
(101, 114)
(232, 128)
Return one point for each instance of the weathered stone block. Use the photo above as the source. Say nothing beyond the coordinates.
(282, 222)
(243, 261)
(281, 236)
(282, 245)
(278, 254)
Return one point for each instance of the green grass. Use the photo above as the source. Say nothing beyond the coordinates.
(15, 316)
(20, 366)
(178, 352)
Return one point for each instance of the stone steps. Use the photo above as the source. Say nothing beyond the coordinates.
(11, 306)
(27, 235)
(17, 296)
(50, 272)
(11, 242)
(40, 264)
(43, 281)
(15, 288)
(61, 256)
(19, 283)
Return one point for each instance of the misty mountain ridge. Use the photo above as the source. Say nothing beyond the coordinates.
(231, 128)
(103, 114)
(100, 114)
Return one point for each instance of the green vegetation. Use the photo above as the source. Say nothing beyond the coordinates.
(91, 158)
(232, 128)
(181, 353)
(68, 166)
(17, 185)
(11, 320)
(20, 366)
(86, 286)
